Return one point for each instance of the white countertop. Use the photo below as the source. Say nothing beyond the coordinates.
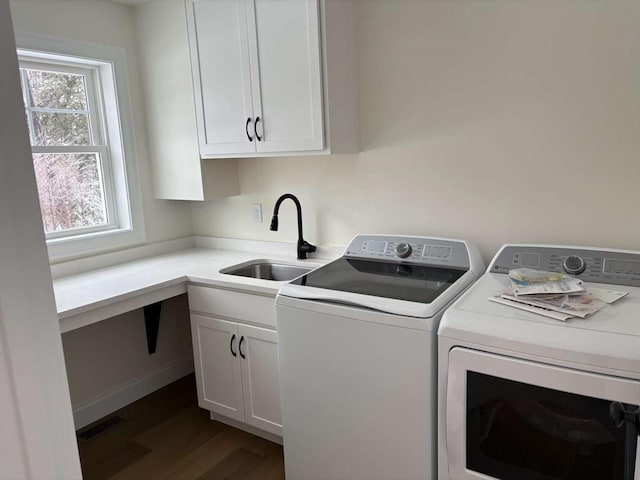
(90, 297)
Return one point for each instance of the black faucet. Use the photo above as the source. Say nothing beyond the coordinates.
(304, 247)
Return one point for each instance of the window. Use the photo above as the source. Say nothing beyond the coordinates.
(69, 151)
(77, 110)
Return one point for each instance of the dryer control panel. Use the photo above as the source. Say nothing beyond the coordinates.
(615, 267)
(416, 250)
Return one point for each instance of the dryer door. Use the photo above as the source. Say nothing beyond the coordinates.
(511, 419)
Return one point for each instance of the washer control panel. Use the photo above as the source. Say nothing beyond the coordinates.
(591, 265)
(416, 250)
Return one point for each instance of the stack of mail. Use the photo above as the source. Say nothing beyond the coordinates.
(553, 294)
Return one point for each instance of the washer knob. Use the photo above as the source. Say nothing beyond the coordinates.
(574, 265)
(403, 250)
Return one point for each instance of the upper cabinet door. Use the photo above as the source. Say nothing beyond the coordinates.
(219, 48)
(285, 55)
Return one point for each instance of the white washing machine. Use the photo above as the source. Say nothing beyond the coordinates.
(524, 397)
(357, 356)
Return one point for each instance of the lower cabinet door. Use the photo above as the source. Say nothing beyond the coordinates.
(217, 366)
(261, 383)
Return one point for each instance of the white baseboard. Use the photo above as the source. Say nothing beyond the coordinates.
(96, 408)
(247, 428)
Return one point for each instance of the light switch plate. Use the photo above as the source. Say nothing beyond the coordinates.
(257, 212)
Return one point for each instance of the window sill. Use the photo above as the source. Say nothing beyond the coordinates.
(68, 248)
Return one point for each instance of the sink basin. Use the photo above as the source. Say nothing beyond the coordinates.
(267, 270)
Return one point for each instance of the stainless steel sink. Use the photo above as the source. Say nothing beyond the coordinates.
(266, 270)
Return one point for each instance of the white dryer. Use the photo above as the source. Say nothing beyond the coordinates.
(357, 357)
(524, 397)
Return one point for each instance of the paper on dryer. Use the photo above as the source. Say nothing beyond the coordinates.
(568, 286)
(553, 294)
(529, 275)
(530, 308)
(606, 295)
(525, 281)
(576, 305)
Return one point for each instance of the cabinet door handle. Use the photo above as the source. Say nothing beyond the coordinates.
(240, 347)
(246, 129)
(255, 129)
(233, 337)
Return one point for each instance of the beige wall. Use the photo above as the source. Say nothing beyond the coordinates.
(491, 120)
(111, 24)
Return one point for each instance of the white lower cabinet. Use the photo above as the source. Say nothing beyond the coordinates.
(217, 364)
(260, 378)
(236, 369)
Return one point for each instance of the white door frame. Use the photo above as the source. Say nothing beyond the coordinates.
(37, 438)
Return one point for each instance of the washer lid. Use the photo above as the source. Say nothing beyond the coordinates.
(402, 275)
(379, 286)
(412, 283)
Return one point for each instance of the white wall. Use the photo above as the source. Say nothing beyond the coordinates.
(490, 120)
(108, 23)
(36, 427)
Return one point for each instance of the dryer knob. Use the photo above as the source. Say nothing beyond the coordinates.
(403, 250)
(574, 265)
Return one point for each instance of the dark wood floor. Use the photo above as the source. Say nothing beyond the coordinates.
(167, 436)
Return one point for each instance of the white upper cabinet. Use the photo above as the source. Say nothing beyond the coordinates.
(287, 93)
(219, 49)
(261, 75)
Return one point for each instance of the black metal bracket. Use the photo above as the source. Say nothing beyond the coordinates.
(152, 324)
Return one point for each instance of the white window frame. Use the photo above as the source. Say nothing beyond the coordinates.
(97, 131)
(117, 150)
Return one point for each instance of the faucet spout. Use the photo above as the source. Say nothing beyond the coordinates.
(304, 247)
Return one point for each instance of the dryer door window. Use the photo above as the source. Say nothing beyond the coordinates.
(517, 431)
(511, 419)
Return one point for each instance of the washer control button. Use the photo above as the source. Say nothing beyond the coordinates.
(403, 250)
(574, 265)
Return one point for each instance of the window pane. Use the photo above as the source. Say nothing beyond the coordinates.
(70, 190)
(60, 129)
(56, 90)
